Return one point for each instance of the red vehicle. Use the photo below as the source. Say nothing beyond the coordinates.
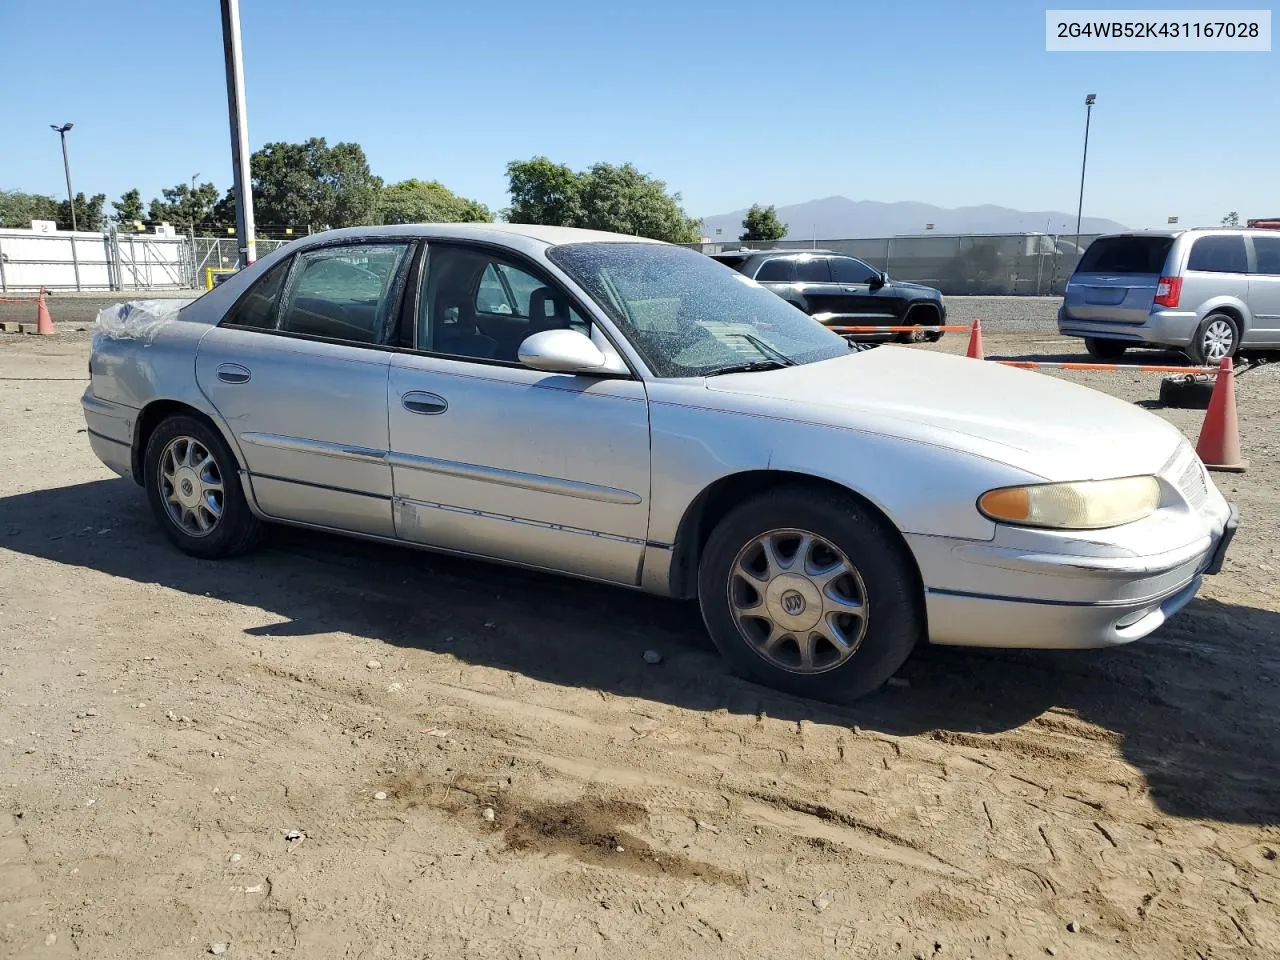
(1270, 223)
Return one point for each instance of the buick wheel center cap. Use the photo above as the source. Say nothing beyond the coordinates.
(187, 487)
(793, 602)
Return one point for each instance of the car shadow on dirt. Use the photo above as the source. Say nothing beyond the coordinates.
(1193, 707)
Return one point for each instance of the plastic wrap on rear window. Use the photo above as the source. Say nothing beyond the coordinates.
(138, 320)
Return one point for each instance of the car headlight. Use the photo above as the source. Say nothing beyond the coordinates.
(1082, 505)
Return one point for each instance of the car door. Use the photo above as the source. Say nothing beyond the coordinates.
(861, 292)
(813, 283)
(778, 275)
(491, 458)
(1264, 290)
(298, 370)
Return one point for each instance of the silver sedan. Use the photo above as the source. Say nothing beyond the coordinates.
(635, 413)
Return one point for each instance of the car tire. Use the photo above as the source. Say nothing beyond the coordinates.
(193, 485)
(853, 557)
(1217, 336)
(1105, 350)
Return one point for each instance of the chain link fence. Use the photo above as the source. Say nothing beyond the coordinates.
(214, 256)
(1015, 264)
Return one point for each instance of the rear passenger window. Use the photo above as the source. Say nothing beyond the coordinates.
(257, 308)
(777, 271)
(1266, 251)
(813, 270)
(1219, 255)
(344, 293)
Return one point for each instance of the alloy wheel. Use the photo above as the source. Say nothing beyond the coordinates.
(798, 601)
(191, 486)
(1219, 339)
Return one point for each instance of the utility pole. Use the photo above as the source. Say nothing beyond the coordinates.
(234, 57)
(66, 167)
(71, 197)
(191, 198)
(1088, 114)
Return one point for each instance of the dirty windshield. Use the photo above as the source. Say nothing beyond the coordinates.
(690, 316)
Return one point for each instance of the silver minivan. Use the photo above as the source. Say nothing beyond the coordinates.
(1208, 292)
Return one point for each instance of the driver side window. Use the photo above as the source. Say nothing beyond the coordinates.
(478, 305)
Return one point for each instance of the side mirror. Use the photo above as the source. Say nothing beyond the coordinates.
(880, 280)
(561, 351)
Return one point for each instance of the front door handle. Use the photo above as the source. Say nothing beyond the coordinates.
(233, 373)
(425, 403)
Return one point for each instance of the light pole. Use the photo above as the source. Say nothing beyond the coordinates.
(192, 199)
(66, 166)
(234, 57)
(1088, 115)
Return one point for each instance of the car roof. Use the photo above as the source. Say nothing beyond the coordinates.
(775, 252)
(550, 236)
(1177, 233)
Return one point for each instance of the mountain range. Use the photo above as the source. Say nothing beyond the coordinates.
(839, 218)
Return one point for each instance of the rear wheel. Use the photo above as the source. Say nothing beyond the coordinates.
(193, 485)
(1105, 350)
(810, 592)
(1217, 337)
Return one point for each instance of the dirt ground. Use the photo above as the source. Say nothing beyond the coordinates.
(334, 749)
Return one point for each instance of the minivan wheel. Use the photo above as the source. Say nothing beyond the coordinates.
(1106, 350)
(809, 592)
(1217, 337)
(193, 485)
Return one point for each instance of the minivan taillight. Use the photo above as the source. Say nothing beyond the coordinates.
(1168, 291)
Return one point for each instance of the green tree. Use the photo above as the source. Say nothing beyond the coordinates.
(312, 183)
(624, 200)
(183, 208)
(762, 223)
(128, 209)
(18, 209)
(1232, 219)
(89, 213)
(417, 201)
(543, 192)
(606, 197)
(224, 211)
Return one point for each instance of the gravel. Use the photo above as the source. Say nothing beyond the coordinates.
(1034, 315)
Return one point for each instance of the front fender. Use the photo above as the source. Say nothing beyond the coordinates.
(921, 488)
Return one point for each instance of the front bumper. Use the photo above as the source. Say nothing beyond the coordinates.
(1012, 597)
(1161, 328)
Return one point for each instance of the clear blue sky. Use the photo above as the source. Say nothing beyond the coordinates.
(952, 103)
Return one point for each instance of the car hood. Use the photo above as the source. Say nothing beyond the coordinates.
(1047, 427)
(917, 288)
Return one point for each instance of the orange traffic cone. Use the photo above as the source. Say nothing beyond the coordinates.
(975, 342)
(44, 322)
(1219, 443)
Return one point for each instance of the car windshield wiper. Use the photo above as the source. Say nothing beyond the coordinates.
(749, 366)
(773, 353)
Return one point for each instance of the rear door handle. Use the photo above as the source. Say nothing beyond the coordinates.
(233, 373)
(425, 403)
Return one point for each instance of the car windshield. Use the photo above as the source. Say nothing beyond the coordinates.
(689, 316)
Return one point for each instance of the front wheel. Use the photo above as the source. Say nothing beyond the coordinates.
(810, 592)
(194, 490)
